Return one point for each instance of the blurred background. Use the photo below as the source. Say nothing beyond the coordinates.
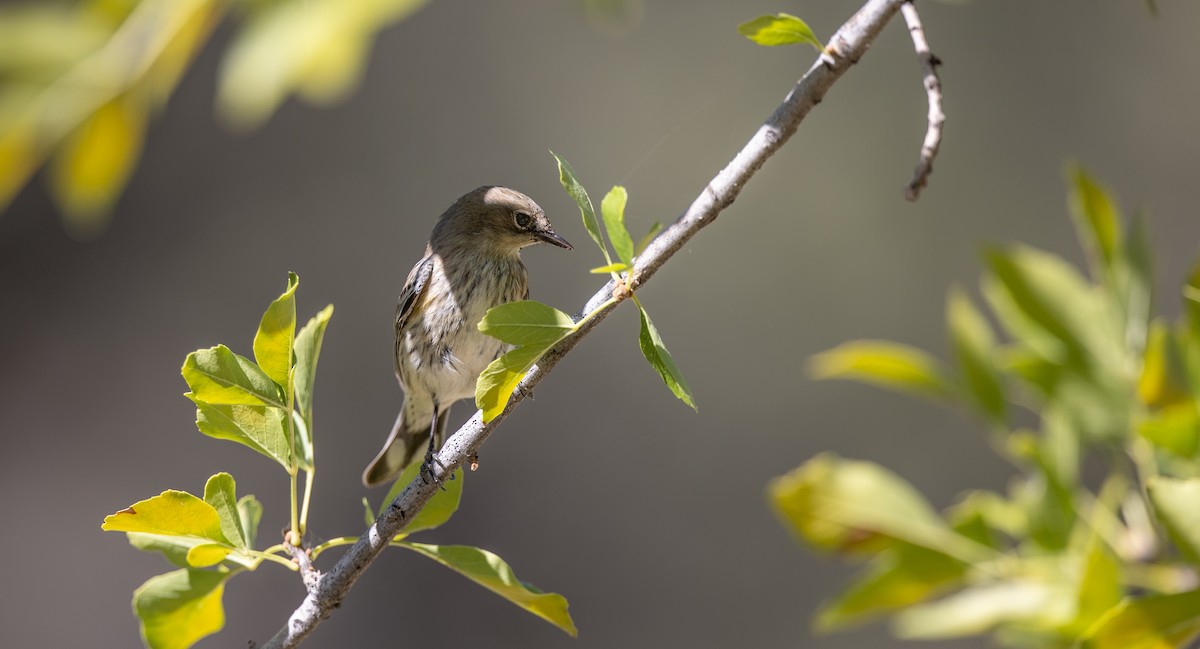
(650, 518)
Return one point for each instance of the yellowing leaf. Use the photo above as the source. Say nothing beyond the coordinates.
(887, 364)
(178, 608)
(491, 572)
(91, 168)
(276, 335)
(173, 513)
(204, 555)
(611, 268)
(221, 492)
(780, 29)
(660, 359)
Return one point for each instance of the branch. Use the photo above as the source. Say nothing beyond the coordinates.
(933, 88)
(844, 49)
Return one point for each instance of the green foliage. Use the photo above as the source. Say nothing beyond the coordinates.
(491, 572)
(534, 327)
(1052, 562)
(268, 406)
(780, 29)
(79, 82)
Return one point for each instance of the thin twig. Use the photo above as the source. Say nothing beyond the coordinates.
(844, 49)
(933, 89)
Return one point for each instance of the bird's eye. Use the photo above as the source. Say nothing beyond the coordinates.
(522, 219)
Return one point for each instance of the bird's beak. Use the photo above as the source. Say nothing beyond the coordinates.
(550, 236)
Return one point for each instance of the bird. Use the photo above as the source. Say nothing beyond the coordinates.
(471, 264)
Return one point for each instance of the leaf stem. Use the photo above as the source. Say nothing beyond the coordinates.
(309, 476)
(333, 543)
(283, 561)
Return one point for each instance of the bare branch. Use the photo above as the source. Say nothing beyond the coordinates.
(933, 88)
(844, 49)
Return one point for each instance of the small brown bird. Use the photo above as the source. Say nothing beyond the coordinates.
(472, 263)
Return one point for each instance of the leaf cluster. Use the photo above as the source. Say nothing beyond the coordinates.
(266, 404)
(533, 328)
(80, 81)
(1055, 561)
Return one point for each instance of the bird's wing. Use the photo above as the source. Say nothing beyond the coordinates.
(418, 279)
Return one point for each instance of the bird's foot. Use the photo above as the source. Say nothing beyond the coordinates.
(428, 474)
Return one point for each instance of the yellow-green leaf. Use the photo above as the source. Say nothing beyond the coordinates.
(780, 29)
(497, 382)
(179, 608)
(92, 166)
(887, 364)
(974, 345)
(1096, 219)
(1175, 502)
(660, 359)
(276, 335)
(491, 572)
(221, 492)
(566, 176)
(978, 609)
(612, 210)
(526, 323)
(1154, 622)
(204, 555)
(860, 507)
(250, 512)
(218, 376)
(308, 349)
(611, 268)
(645, 241)
(258, 427)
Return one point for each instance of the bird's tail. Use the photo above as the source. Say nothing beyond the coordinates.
(404, 444)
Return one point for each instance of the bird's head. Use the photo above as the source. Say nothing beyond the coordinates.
(496, 218)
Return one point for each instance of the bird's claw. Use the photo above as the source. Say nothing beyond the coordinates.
(428, 475)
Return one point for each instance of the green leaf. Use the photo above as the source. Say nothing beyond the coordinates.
(498, 381)
(1099, 589)
(611, 268)
(1154, 622)
(780, 29)
(660, 359)
(887, 364)
(304, 442)
(860, 507)
(534, 326)
(259, 427)
(566, 176)
(1175, 503)
(178, 550)
(897, 578)
(308, 349)
(1096, 220)
(276, 334)
(1135, 284)
(220, 377)
(612, 209)
(221, 492)
(437, 511)
(979, 609)
(526, 323)
(250, 512)
(171, 513)
(973, 344)
(645, 241)
(1164, 379)
(179, 608)
(1175, 428)
(1055, 298)
(491, 572)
